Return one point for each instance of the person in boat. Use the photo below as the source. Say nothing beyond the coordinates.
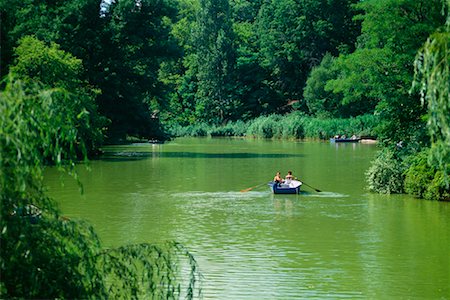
(288, 177)
(277, 179)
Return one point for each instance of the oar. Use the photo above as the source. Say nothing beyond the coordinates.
(317, 190)
(251, 188)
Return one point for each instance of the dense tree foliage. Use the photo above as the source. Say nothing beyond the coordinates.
(378, 75)
(215, 60)
(433, 70)
(121, 45)
(44, 255)
(243, 59)
(135, 43)
(403, 117)
(295, 35)
(53, 68)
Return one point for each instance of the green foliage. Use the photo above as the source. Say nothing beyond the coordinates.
(378, 74)
(44, 255)
(433, 70)
(425, 181)
(32, 131)
(73, 24)
(265, 127)
(250, 58)
(295, 35)
(297, 126)
(321, 102)
(364, 125)
(386, 174)
(215, 59)
(195, 130)
(238, 128)
(55, 68)
(438, 188)
(362, 79)
(135, 42)
(291, 126)
(254, 86)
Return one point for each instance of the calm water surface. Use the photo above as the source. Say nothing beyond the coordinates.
(341, 243)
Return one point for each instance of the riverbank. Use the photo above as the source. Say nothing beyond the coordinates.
(291, 126)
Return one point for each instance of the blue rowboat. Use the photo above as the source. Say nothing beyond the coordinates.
(293, 187)
(347, 140)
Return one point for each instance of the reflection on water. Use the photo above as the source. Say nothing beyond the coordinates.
(325, 195)
(339, 243)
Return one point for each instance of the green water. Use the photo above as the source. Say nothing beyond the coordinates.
(341, 243)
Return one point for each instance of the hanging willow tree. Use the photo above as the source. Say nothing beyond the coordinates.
(46, 256)
(432, 67)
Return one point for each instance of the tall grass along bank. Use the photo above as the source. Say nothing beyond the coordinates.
(291, 126)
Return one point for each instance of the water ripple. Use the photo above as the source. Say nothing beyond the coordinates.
(325, 195)
(221, 195)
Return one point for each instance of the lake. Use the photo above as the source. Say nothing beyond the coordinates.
(343, 242)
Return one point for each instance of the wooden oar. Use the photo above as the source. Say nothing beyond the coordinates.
(317, 190)
(251, 188)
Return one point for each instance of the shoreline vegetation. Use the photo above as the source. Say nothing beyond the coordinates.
(291, 127)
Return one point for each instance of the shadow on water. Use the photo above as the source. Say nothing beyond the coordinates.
(126, 156)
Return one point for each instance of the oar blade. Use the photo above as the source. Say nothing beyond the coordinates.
(317, 190)
(251, 188)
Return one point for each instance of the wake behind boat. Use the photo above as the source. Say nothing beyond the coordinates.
(287, 187)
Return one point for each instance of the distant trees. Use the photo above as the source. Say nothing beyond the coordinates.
(215, 58)
(135, 41)
(377, 76)
(121, 45)
(295, 35)
(150, 65)
(249, 58)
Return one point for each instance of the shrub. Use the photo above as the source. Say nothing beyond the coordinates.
(292, 127)
(197, 130)
(237, 128)
(386, 174)
(418, 175)
(424, 181)
(438, 189)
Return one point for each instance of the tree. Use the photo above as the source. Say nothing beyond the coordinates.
(215, 62)
(294, 36)
(54, 68)
(121, 43)
(44, 255)
(378, 74)
(254, 85)
(321, 102)
(75, 25)
(432, 67)
(179, 75)
(135, 42)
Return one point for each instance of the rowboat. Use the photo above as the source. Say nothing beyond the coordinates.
(345, 140)
(292, 187)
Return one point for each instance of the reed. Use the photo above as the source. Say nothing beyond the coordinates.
(292, 126)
